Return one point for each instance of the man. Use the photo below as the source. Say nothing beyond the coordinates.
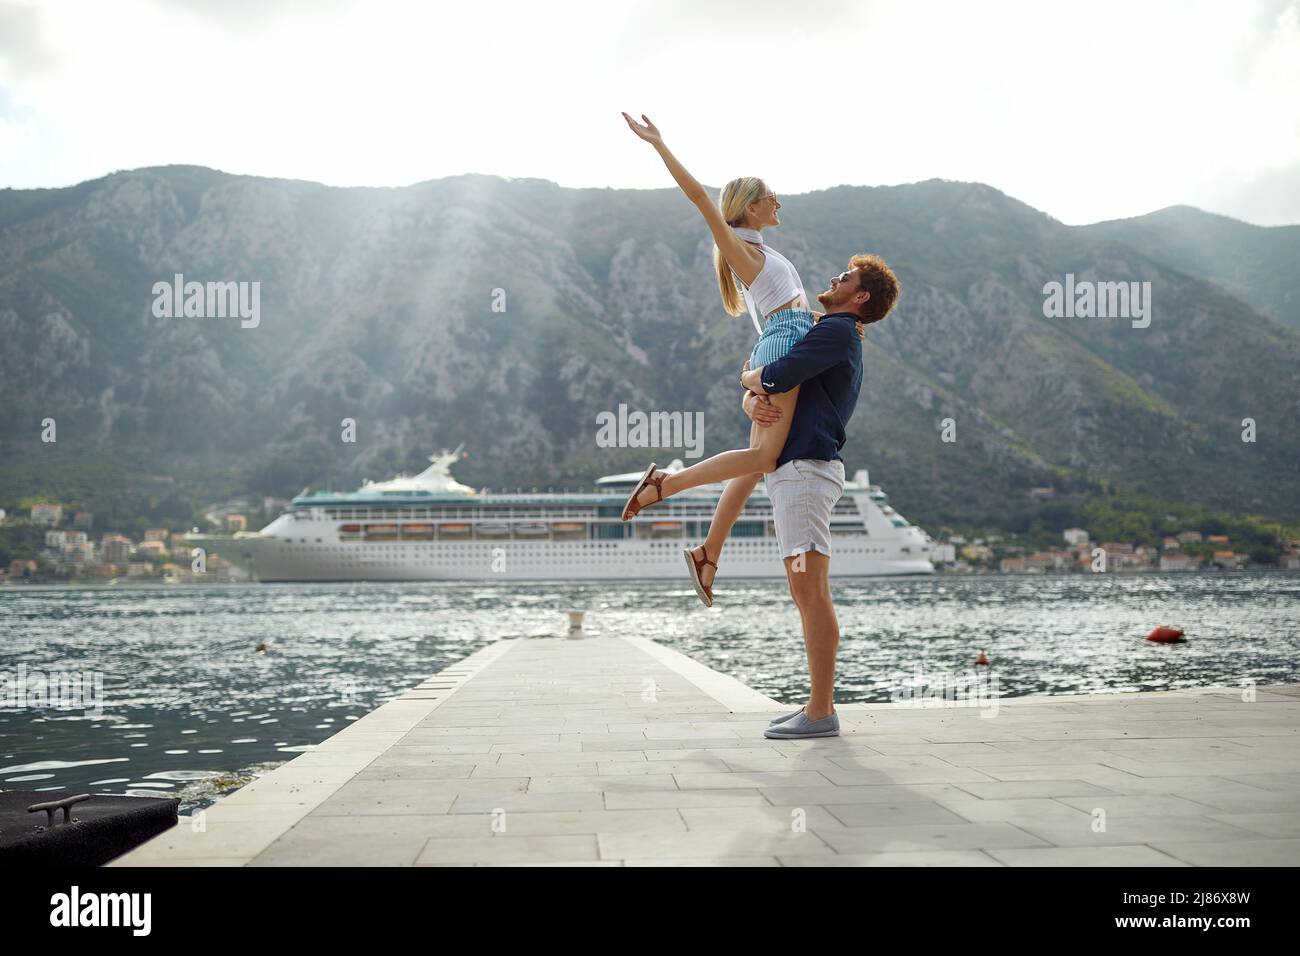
(809, 477)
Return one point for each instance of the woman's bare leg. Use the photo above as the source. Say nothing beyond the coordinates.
(730, 505)
(759, 459)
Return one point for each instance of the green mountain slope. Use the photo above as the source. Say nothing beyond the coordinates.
(1256, 264)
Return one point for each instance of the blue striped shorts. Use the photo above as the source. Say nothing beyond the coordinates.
(782, 331)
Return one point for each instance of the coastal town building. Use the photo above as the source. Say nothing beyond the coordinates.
(943, 553)
(20, 568)
(116, 548)
(47, 515)
(151, 549)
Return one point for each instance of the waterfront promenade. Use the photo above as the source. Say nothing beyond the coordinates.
(623, 752)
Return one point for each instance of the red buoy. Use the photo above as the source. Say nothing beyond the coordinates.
(1166, 635)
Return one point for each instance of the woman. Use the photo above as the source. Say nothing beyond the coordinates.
(773, 285)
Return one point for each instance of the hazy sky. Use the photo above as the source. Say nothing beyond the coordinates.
(1086, 111)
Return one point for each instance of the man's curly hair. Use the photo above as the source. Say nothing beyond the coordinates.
(878, 279)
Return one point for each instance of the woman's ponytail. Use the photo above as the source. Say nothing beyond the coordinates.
(736, 195)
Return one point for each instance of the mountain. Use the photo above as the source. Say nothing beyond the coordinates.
(377, 305)
(1257, 264)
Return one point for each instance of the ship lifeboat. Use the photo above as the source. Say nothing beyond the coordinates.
(568, 526)
(349, 532)
(1166, 635)
(666, 529)
(417, 532)
(532, 529)
(489, 529)
(453, 530)
(381, 532)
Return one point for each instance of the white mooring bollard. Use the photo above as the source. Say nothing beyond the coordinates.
(575, 625)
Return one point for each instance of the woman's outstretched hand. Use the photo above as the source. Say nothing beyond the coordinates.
(649, 132)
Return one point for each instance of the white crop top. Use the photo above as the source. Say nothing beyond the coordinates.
(776, 283)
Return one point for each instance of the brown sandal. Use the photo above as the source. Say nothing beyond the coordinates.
(705, 592)
(633, 507)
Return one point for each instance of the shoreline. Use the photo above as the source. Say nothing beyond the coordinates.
(90, 584)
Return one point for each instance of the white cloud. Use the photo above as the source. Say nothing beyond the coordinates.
(13, 138)
(1087, 113)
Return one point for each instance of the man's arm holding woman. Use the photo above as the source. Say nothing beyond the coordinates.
(823, 346)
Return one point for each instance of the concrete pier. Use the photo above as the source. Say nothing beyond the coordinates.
(622, 752)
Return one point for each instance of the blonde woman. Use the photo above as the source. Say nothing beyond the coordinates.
(746, 208)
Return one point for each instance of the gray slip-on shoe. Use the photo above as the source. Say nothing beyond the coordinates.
(784, 717)
(800, 726)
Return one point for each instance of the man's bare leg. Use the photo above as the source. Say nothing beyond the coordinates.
(811, 590)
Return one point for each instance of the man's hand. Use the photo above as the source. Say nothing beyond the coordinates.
(760, 410)
(752, 379)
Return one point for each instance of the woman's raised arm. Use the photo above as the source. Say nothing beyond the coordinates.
(745, 260)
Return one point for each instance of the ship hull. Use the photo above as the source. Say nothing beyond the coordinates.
(270, 560)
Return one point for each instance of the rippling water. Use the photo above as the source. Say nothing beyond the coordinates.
(191, 709)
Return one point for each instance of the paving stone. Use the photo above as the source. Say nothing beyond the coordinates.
(1132, 855)
(508, 849)
(893, 858)
(1249, 852)
(1128, 828)
(964, 836)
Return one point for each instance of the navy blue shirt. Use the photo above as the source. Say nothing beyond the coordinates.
(827, 362)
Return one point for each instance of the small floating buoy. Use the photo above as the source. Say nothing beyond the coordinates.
(982, 660)
(262, 648)
(1166, 635)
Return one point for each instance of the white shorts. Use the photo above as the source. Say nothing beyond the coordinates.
(803, 493)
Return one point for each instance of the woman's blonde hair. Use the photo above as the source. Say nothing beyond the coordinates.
(736, 195)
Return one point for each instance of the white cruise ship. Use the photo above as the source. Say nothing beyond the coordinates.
(430, 527)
